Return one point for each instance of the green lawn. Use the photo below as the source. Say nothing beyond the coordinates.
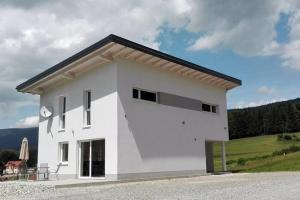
(257, 147)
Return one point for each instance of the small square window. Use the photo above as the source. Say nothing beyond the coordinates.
(135, 93)
(206, 107)
(214, 109)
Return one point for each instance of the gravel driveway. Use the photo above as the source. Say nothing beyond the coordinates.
(257, 186)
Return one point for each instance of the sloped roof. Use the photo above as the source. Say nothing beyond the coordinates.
(112, 46)
(16, 163)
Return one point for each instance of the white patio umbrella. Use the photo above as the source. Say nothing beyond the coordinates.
(24, 151)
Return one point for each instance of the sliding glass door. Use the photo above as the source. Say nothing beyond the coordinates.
(92, 161)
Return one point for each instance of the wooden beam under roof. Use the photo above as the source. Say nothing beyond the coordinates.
(174, 67)
(182, 70)
(120, 51)
(186, 73)
(167, 65)
(151, 60)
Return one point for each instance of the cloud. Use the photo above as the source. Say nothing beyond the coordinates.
(266, 90)
(246, 27)
(28, 122)
(290, 52)
(35, 35)
(244, 104)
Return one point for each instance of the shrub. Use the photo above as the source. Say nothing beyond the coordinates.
(291, 149)
(280, 137)
(287, 137)
(277, 153)
(229, 162)
(241, 161)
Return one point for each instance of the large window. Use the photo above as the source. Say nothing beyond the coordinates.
(87, 107)
(144, 95)
(64, 152)
(62, 112)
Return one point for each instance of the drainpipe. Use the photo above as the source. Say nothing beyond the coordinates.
(224, 168)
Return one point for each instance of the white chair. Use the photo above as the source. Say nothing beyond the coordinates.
(55, 171)
(46, 171)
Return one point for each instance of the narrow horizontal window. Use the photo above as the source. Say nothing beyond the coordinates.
(144, 95)
(148, 96)
(206, 107)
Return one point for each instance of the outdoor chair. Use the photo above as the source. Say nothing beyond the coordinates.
(55, 171)
(43, 169)
(46, 171)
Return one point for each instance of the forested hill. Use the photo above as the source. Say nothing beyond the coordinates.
(279, 117)
(11, 138)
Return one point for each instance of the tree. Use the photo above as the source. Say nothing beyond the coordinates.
(7, 155)
(273, 118)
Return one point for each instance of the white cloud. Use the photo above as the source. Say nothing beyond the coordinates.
(266, 90)
(28, 122)
(290, 53)
(244, 104)
(246, 27)
(35, 35)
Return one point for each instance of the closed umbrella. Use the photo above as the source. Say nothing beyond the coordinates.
(24, 153)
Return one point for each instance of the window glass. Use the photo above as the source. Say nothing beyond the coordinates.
(206, 107)
(64, 152)
(135, 93)
(87, 107)
(88, 99)
(214, 109)
(62, 112)
(148, 96)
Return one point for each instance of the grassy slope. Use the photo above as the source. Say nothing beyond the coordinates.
(259, 146)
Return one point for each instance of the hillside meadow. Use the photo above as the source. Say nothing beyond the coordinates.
(261, 153)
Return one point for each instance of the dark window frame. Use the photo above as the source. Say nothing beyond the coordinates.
(214, 109)
(206, 107)
(87, 99)
(64, 152)
(140, 92)
(62, 112)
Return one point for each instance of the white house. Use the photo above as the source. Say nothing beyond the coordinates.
(123, 111)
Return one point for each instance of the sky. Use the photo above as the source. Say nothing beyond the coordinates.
(257, 41)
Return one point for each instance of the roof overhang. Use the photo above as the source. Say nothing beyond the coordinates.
(114, 47)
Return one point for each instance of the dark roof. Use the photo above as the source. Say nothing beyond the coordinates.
(130, 44)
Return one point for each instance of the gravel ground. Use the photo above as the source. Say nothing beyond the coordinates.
(22, 190)
(259, 186)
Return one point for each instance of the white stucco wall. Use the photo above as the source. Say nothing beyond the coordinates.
(102, 83)
(140, 137)
(152, 138)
